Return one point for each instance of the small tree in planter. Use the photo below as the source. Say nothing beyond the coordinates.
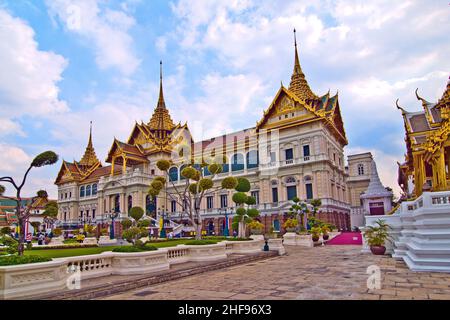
(136, 213)
(376, 237)
(243, 216)
(316, 204)
(290, 225)
(126, 224)
(300, 211)
(256, 227)
(315, 233)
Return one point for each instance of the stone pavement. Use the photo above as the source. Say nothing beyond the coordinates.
(329, 272)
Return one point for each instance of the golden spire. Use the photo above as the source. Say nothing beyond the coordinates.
(299, 86)
(89, 158)
(161, 119)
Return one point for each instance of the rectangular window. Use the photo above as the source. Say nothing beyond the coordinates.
(81, 214)
(291, 192)
(306, 151)
(173, 206)
(289, 154)
(223, 201)
(309, 191)
(255, 194)
(274, 195)
(93, 213)
(210, 202)
(87, 213)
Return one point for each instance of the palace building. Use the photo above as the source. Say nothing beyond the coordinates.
(427, 158)
(296, 149)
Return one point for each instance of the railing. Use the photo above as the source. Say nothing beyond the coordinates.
(92, 265)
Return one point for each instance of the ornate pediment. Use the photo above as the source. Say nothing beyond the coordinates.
(284, 105)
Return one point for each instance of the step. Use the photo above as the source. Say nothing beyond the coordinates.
(424, 268)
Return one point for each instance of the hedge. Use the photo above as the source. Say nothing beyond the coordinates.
(200, 242)
(67, 246)
(14, 260)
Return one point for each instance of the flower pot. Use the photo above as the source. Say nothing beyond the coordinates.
(326, 237)
(378, 250)
(315, 238)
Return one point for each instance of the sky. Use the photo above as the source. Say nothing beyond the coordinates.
(64, 63)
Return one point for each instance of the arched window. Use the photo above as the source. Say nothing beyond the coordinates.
(307, 179)
(252, 159)
(117, 203)
(206, 172)
(173, 174)
(82, 192)
(237, 162)
(130, 202)
(88, 191)
(94, 189)
(181, 169)
(360, 169)
(290, 180)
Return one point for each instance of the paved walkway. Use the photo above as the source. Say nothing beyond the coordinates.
(329, 272)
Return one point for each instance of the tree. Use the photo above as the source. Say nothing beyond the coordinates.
(195, 188)
(300, 211)
(243, 216)
(24, 212)
(51, 213)
(136, 213)
(316, 203)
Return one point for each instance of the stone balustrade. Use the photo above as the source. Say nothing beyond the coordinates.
(20, 281)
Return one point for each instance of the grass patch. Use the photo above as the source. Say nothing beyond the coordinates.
(15, 260)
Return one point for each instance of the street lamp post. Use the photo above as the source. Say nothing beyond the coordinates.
(162, 234)
(226, 231)
(112, 216)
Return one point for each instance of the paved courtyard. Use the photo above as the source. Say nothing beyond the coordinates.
(330, 272)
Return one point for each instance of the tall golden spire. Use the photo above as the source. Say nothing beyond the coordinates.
(161, 120)
(299, 86)
(89, 158)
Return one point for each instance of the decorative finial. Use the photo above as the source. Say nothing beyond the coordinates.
(160, 69)
(398, 106)
(295, 38)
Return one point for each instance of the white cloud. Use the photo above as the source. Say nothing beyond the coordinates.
(29, 76)
(107, 30)
(10, 127)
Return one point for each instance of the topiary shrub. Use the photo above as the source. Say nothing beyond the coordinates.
(157, 184)
(148, 247)
(214, 168)
(57, 232)
(189, 173)
(161, 179)
(136, 213)
(250, 201)
(205, 184)
(153, 192)
(163, 165)
(243, 185)
(229, 183)
(239, 198)
(193, 188)
(14, 260)
(144, 223)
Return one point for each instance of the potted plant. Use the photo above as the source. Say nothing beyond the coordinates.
(255, 227)
(376, 237)
(315, 233)
(325, 229)
(290, 225)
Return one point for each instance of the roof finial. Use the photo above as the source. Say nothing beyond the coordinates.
(295, 38)
(161, 102)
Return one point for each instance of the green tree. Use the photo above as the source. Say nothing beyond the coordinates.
(300, 211)
(136, 213)
(243, 215)
(316, 204)
(24, 212)
(196, 187)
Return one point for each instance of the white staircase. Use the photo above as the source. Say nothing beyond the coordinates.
(424, 241)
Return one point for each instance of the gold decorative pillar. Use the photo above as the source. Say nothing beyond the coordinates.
(440, 171)
(112, 165)
(124, 168)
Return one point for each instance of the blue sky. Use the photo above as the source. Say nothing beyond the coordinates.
(64, 63)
